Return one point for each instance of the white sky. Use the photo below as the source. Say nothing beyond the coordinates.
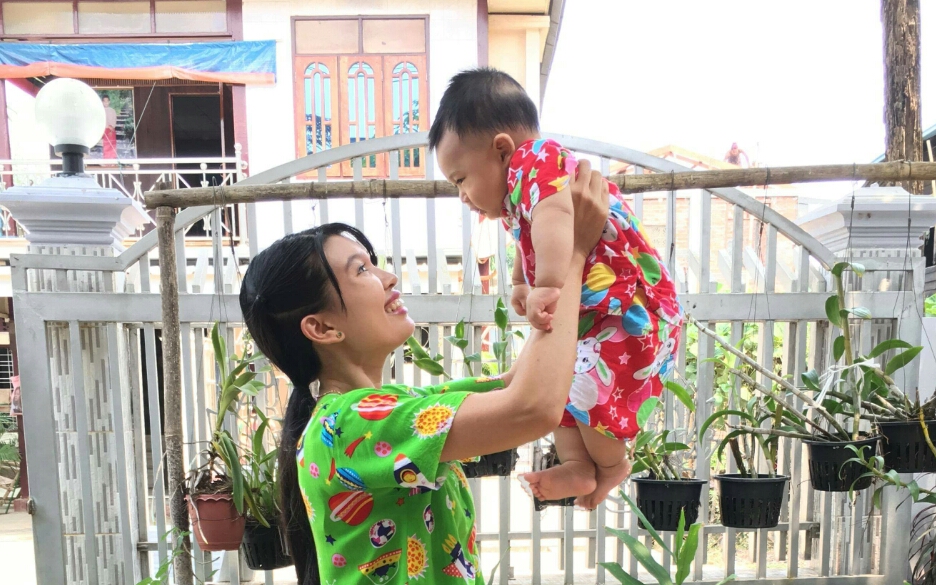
(793, 81)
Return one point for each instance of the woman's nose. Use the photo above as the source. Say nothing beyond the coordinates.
(390, 280)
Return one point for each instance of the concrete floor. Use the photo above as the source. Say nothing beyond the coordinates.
(17, 556)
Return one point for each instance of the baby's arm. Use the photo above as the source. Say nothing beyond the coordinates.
(518, 296)
(552, 241)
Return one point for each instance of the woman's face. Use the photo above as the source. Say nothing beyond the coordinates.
(375, 321)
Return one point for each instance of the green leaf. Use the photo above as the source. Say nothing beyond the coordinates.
(643, 556)
(722, 414)
(673, 447)
(839, 268)
(643, 520)
(460, 329)
(857, 268)
(901, 359)
(886, 346)
(472, 358)
(620, 574)
(914, 490)
(859, 312)
(431, 366)
(811, 380)
(687, 554)
(585, 324)
(680, 536)
(727, 579)
(876, 498)
(832, 310)
(418, 351)
(645, 410)
(681, 394)
(499, 349)
(220, 349)
(838, 347)
(500, 315)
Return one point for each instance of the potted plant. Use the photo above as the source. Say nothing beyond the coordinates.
(217, 490)
(684, 551)
(494, 464)
(264, 545)
(923, 529)
(748, 498)
(843, 403)
(667, 493)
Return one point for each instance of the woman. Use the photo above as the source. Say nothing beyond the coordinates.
(374, 469)
(110, 130)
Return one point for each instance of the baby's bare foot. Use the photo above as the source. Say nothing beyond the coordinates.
(574, 478)
(607, 478)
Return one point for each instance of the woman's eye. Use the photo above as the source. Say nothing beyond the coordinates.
(363, 268)
(459, 181)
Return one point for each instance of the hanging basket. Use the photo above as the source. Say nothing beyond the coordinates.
(264, 548)
(661, 501)
(829, 469)
(904, 446)
(215, 522)
(496, 464)
(748, 502)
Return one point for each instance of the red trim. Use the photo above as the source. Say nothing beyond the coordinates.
(482, 33)
(148, 73)
(5, 133)
(25, 85)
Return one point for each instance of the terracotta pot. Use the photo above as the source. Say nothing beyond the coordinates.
(215, 522)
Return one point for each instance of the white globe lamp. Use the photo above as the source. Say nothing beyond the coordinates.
(71, 116)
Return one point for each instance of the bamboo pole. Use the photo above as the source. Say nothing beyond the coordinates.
(172, 381)
(673, 181)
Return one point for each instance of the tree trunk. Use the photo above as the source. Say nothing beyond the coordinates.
(172, 381)
(903, 128)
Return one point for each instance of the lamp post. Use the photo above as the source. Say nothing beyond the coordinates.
(71, 116)
(82, 495)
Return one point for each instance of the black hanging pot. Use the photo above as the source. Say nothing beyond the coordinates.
(905, 448)
(263, 548)
(829, 469)
(748, 502)
(495, 464)
(661, 501)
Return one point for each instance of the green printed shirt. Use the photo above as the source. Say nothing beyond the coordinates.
(381, 504)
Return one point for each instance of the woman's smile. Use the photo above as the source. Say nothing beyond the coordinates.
(395, 305)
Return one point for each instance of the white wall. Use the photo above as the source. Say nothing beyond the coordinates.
(452, 47)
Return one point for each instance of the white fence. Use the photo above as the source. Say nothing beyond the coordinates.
(99, 316)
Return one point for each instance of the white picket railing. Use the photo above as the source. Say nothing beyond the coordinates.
(778, 283)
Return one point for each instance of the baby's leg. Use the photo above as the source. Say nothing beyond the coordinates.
(611, 464)
(575, 476)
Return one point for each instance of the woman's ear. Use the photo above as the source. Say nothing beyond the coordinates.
(504, 147)
(317, 330)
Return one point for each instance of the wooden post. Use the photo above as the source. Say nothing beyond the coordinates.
(172, 380)
(903, 128)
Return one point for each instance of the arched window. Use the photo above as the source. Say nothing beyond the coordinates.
(318, 108)
(362, 109)
(404, 88)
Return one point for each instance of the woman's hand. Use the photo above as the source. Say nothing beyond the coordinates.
(590, 200)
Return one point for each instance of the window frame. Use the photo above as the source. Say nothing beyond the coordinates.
(231, 10)
(383, 84)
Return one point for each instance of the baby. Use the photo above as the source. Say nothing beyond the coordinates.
(486, 135)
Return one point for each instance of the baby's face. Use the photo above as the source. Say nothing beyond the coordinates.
(478, 169)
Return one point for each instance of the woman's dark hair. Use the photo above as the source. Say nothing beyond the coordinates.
(286, 282)
(482, 101)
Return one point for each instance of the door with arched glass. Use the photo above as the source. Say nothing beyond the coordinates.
(405, 94)
(317, 103)
(362, 108)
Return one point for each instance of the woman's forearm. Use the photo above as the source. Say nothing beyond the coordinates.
(543, 372)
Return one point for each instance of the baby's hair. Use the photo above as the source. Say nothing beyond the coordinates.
(483, 101)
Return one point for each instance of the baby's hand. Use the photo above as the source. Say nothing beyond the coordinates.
(518, 298)
(540, 306)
